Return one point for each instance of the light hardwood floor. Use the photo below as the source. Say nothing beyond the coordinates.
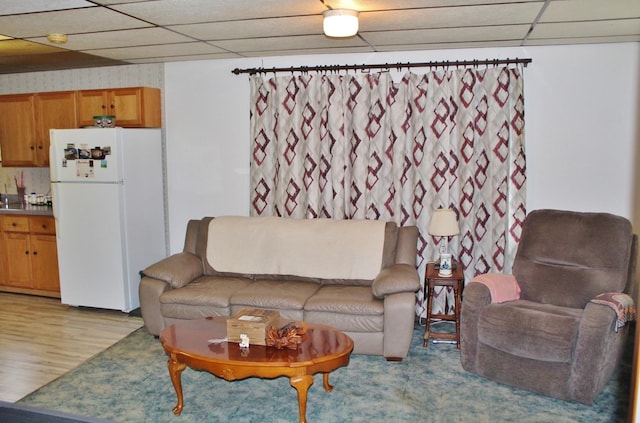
(41, 339)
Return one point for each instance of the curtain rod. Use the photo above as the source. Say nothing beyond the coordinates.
(399, 65)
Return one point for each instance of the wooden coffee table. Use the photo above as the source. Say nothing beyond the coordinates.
(323, 349)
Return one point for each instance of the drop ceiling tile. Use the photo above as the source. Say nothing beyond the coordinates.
(443, 46)
(288, 43)
(444, 35)
(183, 49)
(111, 2)
(450, 17)
(586, 29)
(298, 52)
(582, 40)
(588, 10)
(370, 5)
(29, 6)
(171, 12)
(186, 58)
(123, 38)
(257, 28)
(66, 22)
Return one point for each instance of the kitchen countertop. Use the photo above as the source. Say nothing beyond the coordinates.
(25, 209)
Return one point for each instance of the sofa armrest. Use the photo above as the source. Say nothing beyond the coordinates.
(176, 270)
(150, 290)
(396, 278)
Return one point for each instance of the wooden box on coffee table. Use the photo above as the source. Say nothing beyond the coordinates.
(252, 322)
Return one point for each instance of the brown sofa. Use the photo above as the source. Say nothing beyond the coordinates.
(562, 336)
(355, 275)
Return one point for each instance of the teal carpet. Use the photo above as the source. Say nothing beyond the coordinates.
(129, 383)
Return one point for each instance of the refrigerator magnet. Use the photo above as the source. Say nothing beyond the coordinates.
(84, 153)
(84, 169)
(70, 153)
(97, 153)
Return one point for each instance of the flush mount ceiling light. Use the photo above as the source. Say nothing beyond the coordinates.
(340, 23)
(57, 38)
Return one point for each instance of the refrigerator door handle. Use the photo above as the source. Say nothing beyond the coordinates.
(53, 160)
(55, 205)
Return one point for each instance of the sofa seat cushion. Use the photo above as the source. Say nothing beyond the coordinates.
(345, 299)
(349, 323)
(348, 308)
(205, 291)
(275, 294)
(175, 312)
(532, 330)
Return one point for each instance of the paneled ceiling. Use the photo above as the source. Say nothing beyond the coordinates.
(112, 32)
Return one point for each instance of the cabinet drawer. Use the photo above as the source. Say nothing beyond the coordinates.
(15, 223)
(42, 225)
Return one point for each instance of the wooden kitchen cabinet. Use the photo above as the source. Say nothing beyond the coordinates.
(29, 254)
(54, 110)
(17, 129)
(25, 120)
(132, 107)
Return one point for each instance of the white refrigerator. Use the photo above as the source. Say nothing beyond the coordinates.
(108, 203)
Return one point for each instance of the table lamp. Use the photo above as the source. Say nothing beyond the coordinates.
(444, 224)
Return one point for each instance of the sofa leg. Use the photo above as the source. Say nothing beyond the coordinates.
(394, 359)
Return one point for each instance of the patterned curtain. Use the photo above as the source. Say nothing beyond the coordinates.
(363, 147)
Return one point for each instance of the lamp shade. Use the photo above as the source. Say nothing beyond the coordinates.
(340, 23)
(443, 223)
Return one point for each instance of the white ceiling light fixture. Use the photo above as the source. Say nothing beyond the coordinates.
(57, 38)
(340, 23)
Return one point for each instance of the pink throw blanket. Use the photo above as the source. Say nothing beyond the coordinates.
(502, 287)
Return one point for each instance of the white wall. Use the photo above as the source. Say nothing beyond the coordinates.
(207, 142)
(581, 108)
(580, 111)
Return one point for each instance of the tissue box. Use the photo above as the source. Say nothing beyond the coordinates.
(253, 322)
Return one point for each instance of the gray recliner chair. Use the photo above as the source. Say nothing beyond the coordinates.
(561, 337)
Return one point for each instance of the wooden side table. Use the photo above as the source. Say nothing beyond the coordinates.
(432, 279)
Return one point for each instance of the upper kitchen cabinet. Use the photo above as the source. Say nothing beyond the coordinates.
(17, 129)
(25, 120)
(137, 107)
(55, 110)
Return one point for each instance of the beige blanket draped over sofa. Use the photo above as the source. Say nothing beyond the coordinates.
(314, 248)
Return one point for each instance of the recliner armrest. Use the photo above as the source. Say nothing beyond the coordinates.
(503, 287)
(396, 278)
(596, 342)
(176, 270)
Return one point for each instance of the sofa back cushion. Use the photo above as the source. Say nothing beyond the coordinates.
(567, 258)
(309, 248)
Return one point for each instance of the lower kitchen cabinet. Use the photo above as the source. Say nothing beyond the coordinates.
(29, 254)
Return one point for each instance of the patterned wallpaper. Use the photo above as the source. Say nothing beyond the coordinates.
(148, 75)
